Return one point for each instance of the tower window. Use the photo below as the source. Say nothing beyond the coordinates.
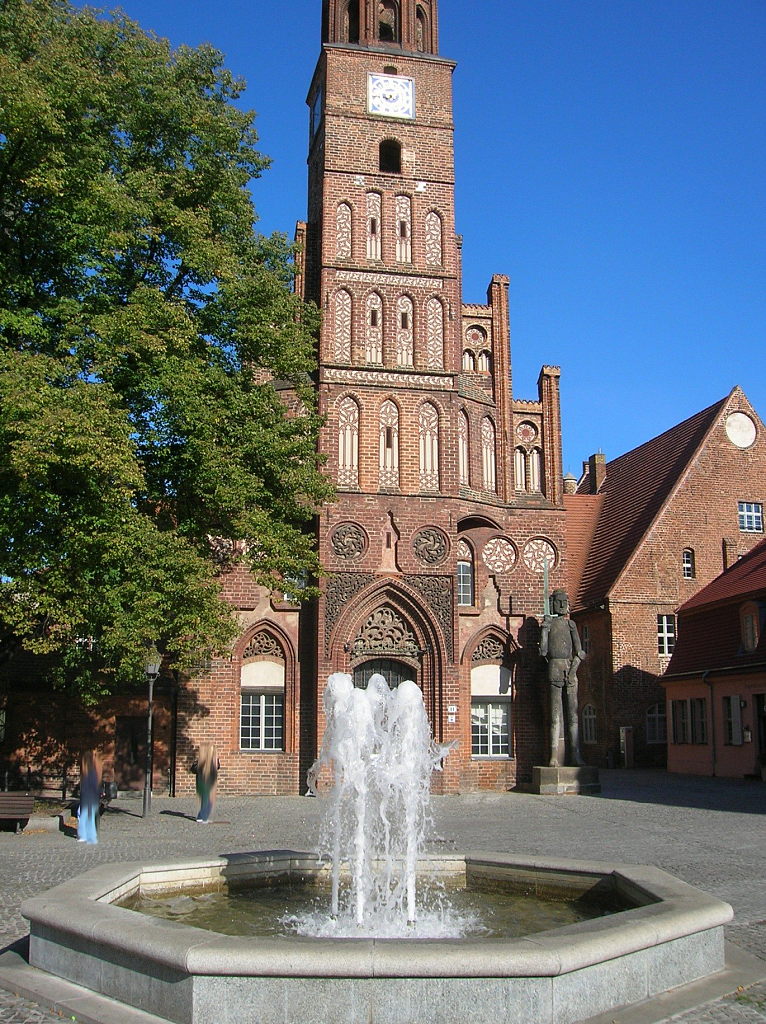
(388, 22)
(390, 157)
(351, 26)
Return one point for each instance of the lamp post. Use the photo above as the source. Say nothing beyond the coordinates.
(152, 661)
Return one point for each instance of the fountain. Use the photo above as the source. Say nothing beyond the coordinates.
(380, 755)
(378, 746)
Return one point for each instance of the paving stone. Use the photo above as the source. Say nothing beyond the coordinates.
(709, 832)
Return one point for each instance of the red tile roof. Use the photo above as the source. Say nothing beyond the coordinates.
(709, 629)
(582, 512)
(637, 486)
(745, 578)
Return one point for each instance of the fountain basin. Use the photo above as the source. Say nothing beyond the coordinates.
(672, 935)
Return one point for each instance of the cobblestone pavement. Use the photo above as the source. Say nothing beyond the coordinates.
(709, 832)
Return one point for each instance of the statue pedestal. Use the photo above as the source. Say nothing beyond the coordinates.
(564, 781)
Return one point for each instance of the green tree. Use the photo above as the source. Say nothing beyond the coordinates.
(155, 364)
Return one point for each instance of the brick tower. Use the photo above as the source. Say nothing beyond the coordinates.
(450, 496)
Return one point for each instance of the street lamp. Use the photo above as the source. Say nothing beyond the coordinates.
(152, 661)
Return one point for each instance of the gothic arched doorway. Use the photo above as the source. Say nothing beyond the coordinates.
(394, 672)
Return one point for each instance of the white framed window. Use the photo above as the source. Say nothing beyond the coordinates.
(750, 516)
(490, 727)
(732, 720)
(589, 724)
(666, 634)
(688, 566)
(657, 724)
(464, 583)
(261, 720)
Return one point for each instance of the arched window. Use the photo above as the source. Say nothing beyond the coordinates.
(373, 225)
(589, 724)
(433, 239)
(463, 456)
(484, 362)
(262, 694)
(688, 564)
(421, 29)
(435, 336)
(351, 22)
(388, 21)
(488, 454)
(535, 470)
(390, 157)
(343, 231)
(373, 349)
(404, 331)
(403, 229)
(389, 446)
(343, 307)
(464, 582)
(348, 443)
(469, 361)
(429, 447)
(520, 469)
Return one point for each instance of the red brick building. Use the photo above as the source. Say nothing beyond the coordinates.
(451, 514)
(716, 680)
(645, 533)
(449, 490)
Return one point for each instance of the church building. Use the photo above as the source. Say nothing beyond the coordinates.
(449, 518)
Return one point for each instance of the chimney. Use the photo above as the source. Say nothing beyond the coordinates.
(730, 554)
(596, 472)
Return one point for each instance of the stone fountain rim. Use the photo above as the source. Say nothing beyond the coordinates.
(81, 908)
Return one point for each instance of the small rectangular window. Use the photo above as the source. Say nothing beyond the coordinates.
(750, 515)
(373, 226)
(373, 318)
(490, 733)
(681, 729)
(666, 634)
(464, 584)
(688, 564)
(405, 321)
(732, 719)
(698, 720)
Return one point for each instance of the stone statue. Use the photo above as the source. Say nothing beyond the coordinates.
(560, 645)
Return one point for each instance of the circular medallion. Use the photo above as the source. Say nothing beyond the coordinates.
(537, 553)
(349, 541)
(499, 555)
(474, 335)
(740, 429)
(430, 545)
(526, 432)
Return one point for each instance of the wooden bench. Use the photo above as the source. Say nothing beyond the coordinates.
(16, 807)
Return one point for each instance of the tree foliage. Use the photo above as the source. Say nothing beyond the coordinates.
(149, 343)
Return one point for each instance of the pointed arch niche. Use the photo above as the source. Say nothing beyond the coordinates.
(267, 691)
(491, 698)
(391, 620)
(348, 442)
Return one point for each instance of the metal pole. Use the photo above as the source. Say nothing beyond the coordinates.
(148, 768)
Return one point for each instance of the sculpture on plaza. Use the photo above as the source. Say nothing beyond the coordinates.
(560, 646)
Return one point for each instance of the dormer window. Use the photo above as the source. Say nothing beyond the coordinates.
(750, 626)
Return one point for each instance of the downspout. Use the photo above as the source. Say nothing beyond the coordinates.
(705, 680)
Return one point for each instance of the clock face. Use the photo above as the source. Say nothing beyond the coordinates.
(391, 95)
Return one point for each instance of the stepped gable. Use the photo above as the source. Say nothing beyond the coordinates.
(636, 487)
(709, 635)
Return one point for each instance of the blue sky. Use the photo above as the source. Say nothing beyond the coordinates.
(611, 159)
